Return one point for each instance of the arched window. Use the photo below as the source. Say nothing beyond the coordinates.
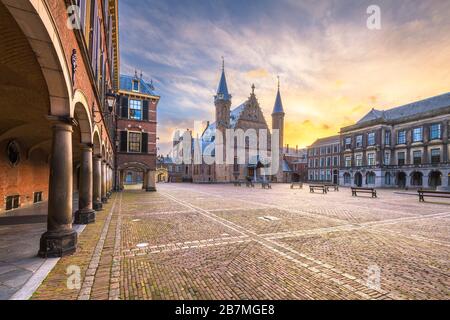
(370, 178)
(387, 179)
(347, 178)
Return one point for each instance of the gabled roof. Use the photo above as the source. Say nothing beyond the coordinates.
(126, 84)
(409, 110)
(372, 115)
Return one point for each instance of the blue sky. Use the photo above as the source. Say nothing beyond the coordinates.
(333, 69)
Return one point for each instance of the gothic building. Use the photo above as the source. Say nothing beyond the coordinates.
(247, 115)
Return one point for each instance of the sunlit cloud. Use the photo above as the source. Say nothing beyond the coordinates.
(333, 69)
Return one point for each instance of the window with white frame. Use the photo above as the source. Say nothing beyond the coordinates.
(401, 158)
(335, 161)
(417, 157)
(358, 160)
(418, 134)
(348, 161)
(371, 159)
(134, 141)
(387, 138)
(435, 131)
(387, 158)
(435, 156)
(348, 143)
(135, 109)
(401, 137)
(359, 141)
(371, 139)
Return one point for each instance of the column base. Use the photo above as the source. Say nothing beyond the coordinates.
(98, 206)
(58, 244)
(150, 189)
(84, 217)
(104, 200)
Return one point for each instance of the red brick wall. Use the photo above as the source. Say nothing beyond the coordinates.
(30, 175)
(69, 42)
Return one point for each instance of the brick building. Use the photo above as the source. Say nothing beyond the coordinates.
(136, 132)
(59, 75)
(246, 116)
(406, 146)
(295, 164)
(324, 160)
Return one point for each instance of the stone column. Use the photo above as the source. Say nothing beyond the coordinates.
(103, 188)
(108, 181)
(151, 185)
(121, 180)
(60, 239)
(97, 192)
(86, 213)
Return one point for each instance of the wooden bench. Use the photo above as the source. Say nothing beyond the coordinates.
(249, 184)
(237, 183)
(266, 185)
(433, 194)
(313, 188)
(298, 184)
(372, 191)
(334, 186)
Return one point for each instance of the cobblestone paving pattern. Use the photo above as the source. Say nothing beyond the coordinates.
(224, 242)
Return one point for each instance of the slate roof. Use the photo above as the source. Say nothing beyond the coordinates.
(165, 160)
(286, 167)
(222, 90)
(278, 107)
(126, 84)
(409, 110)
(327, 140)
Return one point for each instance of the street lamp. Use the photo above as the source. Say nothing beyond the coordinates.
(111, 99)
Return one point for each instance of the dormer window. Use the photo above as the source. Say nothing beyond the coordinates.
(135, 85)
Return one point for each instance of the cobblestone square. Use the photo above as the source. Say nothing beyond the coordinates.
(190, 241)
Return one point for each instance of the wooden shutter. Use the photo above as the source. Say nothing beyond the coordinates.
(145, 110)
(144, 146)
(123, 141)
(124, 108)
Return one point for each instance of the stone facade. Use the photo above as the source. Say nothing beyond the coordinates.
(403, 147)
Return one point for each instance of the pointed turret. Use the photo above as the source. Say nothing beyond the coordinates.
(222, 91)
(278, 107)
(278, 124)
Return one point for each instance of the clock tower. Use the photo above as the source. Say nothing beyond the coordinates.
(222, 101)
